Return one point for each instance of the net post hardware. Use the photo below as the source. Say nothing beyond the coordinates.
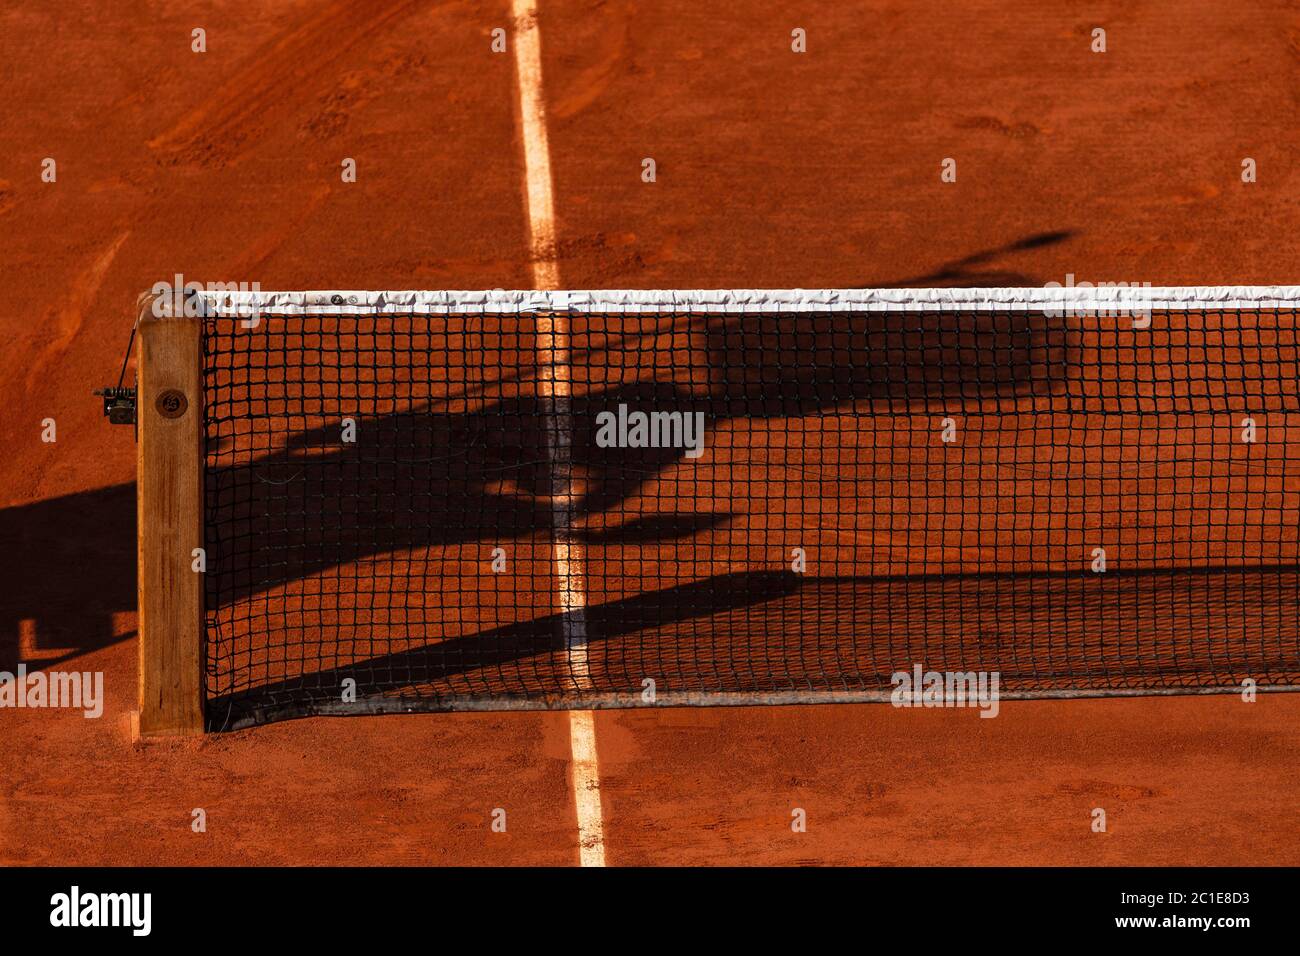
(119, 404)
(119, 399)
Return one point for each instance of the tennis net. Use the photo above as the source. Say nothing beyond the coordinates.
(439, 501)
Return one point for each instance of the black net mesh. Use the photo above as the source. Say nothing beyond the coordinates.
(441, 511)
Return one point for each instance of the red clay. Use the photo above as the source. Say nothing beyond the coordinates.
(774, 169)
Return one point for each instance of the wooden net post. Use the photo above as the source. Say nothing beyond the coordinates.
(169, 502)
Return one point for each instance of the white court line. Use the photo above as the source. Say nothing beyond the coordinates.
(537, 150)
(556, 388)
(586, 787)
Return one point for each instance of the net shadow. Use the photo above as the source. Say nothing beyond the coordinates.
(429, 478)
(777, 365)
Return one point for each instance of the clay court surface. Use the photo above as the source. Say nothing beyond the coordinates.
(774, 170)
